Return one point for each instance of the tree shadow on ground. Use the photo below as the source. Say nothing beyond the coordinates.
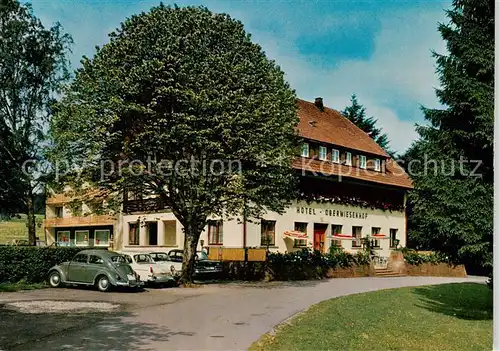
(78, 331)
(469, 301)
(262, 284)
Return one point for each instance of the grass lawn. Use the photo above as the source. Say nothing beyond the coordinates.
(8, 287)
(441, 317)
(15, 228)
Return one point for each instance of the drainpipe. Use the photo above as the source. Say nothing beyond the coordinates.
(244, 223)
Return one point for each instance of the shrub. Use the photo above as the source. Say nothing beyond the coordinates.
(414, 258)
(311, 264)
(30, 263)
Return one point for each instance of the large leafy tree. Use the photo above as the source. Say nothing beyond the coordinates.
(452, 163)
(182, 107)
(356, 114)
(32, 67)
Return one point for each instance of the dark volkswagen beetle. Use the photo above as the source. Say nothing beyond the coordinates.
(100, 268)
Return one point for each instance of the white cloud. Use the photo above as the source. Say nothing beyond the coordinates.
(401, 71)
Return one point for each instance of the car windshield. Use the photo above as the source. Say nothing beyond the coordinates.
(201, 255)
(143, 258)
(118, 259)
(160, 257)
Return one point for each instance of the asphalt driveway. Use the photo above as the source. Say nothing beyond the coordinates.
(213, 317)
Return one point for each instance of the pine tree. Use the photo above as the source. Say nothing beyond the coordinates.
(356, 114)
(452, 162)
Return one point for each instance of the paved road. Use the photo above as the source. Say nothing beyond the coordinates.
(213, 317)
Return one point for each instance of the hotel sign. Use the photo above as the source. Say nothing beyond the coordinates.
(332, 213)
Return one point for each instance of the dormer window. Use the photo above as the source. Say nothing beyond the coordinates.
(377, 165)
(322, 153)
(362, 161)
(348, 159)
(305, 150)
(335, 156)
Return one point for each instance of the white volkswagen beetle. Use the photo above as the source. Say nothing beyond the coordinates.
(149, 270)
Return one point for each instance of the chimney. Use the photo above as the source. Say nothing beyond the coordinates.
(319, 103)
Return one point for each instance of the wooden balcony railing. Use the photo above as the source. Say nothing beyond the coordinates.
(145, 205)
(57, 199)
(91, 220)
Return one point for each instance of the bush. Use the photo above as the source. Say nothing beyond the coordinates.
(311, 264)
(414, 258)
(30, 263)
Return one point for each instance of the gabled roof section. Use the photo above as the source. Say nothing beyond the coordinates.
(393, 176)
(330, 127)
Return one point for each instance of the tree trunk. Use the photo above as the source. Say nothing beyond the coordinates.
(192, 234)
(31, 221)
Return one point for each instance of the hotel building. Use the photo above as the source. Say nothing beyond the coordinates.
(350, 188)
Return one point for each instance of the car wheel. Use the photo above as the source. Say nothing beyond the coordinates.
(55, 279)
(103, 283)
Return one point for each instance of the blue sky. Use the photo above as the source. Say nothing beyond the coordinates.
(378, 49)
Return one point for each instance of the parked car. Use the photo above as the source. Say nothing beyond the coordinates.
(150, 271)
(101, 268)
(203, 265)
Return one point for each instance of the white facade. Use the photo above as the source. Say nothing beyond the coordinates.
(318, 216)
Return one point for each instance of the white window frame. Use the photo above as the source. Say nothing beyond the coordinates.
(348, 159)
(377, 165)
(335, 155)
(95, 237)
(362, 161)
(323, 152)
(305, 150)
(63, 231)
(88, 237)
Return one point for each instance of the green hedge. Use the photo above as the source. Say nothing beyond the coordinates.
(414, 258)
(30, 263)
(305, 264)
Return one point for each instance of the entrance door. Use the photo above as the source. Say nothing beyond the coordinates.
(319, 236)
(153, 233)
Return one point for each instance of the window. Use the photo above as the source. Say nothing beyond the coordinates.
(82, 237)
(348, 158)
(335, 156)
(118, 259)
(377, 165)
(267, 233)
(322, 153)
(215, 235)
(305, 150)
(95, 259)
(101, 237)
(143, 258)
(80, 258)
(58, 211)
(392, 236)
(375, 242)
(133, 233)
(362, 161)
(356, 236)
(128, 259)
(63, 238)
(336, 229)
(300, 227)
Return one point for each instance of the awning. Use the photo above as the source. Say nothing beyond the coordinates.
(294, 234)
(342, 237)
(379, 236)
